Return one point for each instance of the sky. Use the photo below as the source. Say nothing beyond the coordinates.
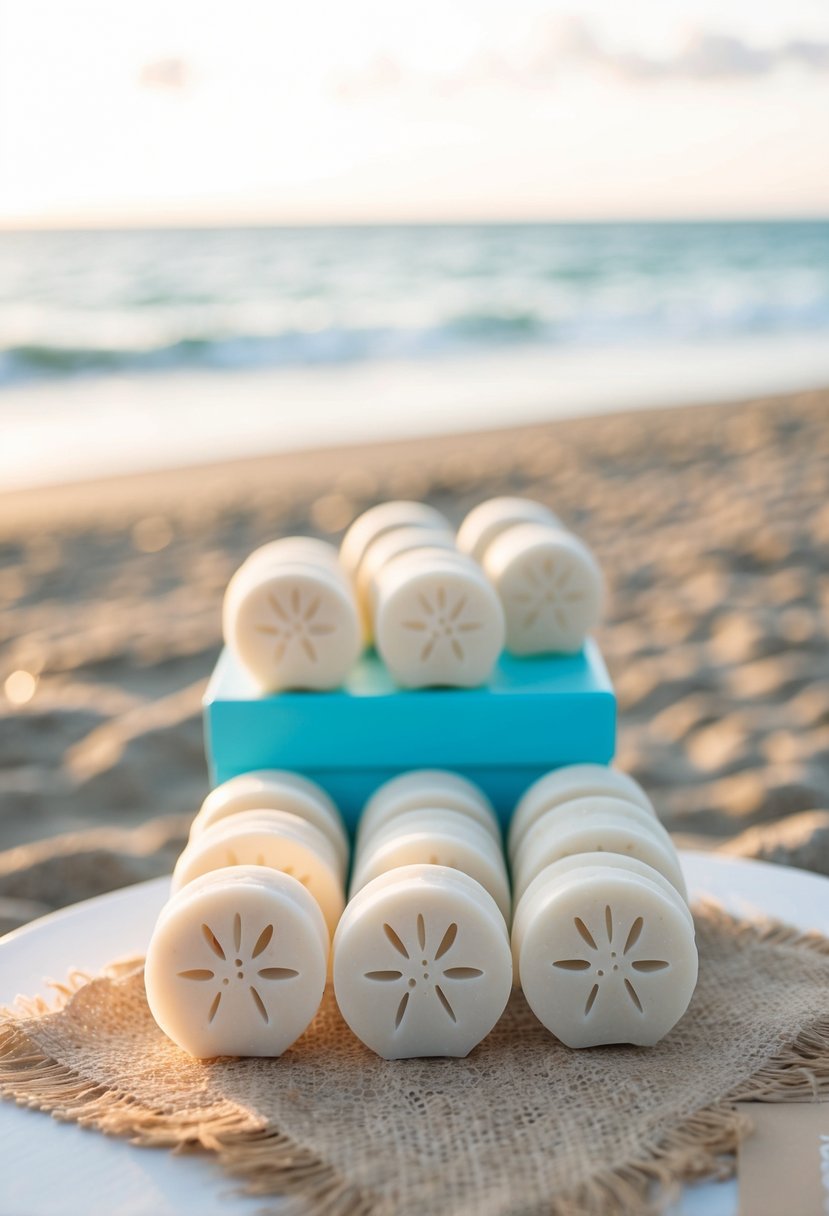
(181, 111)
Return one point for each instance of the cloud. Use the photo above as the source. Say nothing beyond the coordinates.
(171, 74)
(570, 44)
(708, 56)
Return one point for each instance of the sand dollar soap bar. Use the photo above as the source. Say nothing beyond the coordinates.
(275, 839)
(292, 623)
(236, 965)
(437, 621)
(604, 832)
(379, 521)
(568, 815)
(305, 549)
(604, 951)
(490, 519)
(444, 838)
(550, 586)
(564, 784)
(422, 963)
(385, 550)
(275, 790)
(419, 789)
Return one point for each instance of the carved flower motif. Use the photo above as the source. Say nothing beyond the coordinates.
(295, 623)
(237, 966)
(442, 623)
(613, 969)
(550, 586)
(419, 965)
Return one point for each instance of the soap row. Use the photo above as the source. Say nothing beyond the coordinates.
(439, 608)
(423, 957)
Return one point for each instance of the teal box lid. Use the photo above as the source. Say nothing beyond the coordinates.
(535, 714)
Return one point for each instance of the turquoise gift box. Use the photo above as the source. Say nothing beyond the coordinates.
(535, 714)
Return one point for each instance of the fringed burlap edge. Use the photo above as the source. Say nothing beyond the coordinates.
(270, 1163)
(267, 1160)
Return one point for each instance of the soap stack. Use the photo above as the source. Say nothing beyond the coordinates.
(433, 615)
(290, 616)
(602, 936)
(438, 608)
(238, 960)
(601, 942)
(593, 923)
(547, 580)
(422, 961)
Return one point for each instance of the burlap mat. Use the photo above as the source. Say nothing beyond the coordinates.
(522, 1125)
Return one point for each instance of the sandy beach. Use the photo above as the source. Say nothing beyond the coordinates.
(711, 523)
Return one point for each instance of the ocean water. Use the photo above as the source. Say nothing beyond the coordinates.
(112, 344)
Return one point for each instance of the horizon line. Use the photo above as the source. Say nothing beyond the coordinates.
(17, 227)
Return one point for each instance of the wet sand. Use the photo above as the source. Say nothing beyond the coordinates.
(712, 525)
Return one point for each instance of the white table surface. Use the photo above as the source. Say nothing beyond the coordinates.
(51, 1168)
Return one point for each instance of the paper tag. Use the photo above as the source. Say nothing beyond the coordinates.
(783, 1166)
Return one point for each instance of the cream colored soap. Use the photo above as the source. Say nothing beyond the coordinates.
(564, 784)
(613, 861)
(275, 790)
(236, 965)
(426, 788)
(391, 545)
(604, 833)
(432, 818)
(437, 621)
(550, 587)
(579, 810)
(384, 518)
(275, 839)
(422, 963)
(604, 952)
(388, 548)
(304, 549)
(486, 522)
(292, 625)
(441, 838)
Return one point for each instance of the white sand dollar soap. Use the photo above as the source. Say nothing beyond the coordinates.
(305, 549)
(237, 963)
(275, 839)
(576, 864)
(490, 519)
(292, 625)
(603, 833)
(422, 963)
(275, 790)
(384, 518)
(563, 784)
(550, 586)
(388, 548)
(581, 810)
(437, 621)
(422, 788)
(605, 955)
(442, 838)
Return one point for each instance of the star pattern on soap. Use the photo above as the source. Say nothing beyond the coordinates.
(418, 965)
(237, 966)
(443, 623)
(295, 622)
(611, 968)
(550, 587)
